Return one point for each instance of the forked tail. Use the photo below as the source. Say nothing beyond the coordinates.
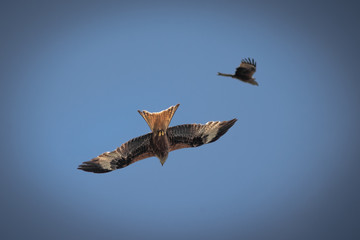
(159, 120)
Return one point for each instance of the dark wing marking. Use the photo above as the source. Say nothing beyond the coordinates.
(246, 69)
(134, 150)
(194, 135)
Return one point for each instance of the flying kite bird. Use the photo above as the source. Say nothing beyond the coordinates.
(244, 72)
(159, 142)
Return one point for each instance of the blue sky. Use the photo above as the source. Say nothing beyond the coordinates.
(74, 74)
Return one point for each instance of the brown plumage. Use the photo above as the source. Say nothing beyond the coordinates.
(244, 72)
(159, 142)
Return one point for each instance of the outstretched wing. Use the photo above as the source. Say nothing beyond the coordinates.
(134, 150)
(194, 135)
(246, 69)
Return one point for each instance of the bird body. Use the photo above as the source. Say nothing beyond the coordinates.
(158, 123)
(159, 142)
(244, 72)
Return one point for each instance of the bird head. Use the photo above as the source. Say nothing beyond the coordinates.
(163, 158)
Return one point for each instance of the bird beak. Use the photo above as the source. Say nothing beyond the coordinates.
(163, 160)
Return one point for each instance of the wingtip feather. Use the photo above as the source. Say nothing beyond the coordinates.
(91, 166)
(225, 126)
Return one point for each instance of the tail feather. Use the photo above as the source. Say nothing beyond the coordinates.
(159, 120)
(225, 74)
(253, 82)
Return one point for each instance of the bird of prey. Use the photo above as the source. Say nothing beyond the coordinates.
(159, 142)
(244, 72)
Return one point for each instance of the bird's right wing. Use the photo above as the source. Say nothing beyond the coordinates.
(194, 135)
(132, 151)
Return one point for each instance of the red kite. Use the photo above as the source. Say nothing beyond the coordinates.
(159, 142)
(244, 72)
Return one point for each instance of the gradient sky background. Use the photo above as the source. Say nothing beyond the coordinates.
(74, 73)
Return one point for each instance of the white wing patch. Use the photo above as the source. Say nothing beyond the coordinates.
(104, 160)
(211, 130)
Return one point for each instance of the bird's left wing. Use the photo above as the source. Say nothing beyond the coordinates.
(132, 151)
(194, 135)
(247, 68)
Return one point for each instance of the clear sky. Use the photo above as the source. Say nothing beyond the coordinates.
(74, 73)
